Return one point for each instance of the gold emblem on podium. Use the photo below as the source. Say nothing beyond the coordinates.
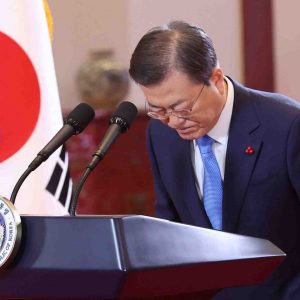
(10, 232)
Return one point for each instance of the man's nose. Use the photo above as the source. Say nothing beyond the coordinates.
(175, 122)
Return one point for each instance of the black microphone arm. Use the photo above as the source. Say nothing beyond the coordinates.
(60, 138)
(75, 122)
(119, 123)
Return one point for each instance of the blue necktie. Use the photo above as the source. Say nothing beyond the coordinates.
(212, 185)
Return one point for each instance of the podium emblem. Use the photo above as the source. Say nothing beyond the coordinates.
(10, 232)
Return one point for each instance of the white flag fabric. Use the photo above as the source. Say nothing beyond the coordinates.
(30, 110)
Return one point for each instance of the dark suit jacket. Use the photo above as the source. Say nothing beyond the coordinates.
(261, 191)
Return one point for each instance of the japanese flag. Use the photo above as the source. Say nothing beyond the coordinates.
(30, 110)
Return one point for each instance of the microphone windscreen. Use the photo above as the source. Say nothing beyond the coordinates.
(80, 117)
(126, 112)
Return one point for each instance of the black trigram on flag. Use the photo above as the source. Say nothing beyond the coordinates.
(60, 183)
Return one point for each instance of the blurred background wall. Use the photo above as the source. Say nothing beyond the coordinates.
(286, 47)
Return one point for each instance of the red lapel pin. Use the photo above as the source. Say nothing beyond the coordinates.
(249, 150)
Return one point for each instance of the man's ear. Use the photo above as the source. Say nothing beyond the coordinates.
(217, 79)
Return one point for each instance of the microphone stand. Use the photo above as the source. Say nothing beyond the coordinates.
(41, 157)
(77, 191)
(90, 167)
(113, 132)
(18, 185)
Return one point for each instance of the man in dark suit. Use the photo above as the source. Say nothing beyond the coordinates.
(223, 156)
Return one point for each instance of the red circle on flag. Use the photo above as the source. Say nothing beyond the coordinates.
(19, 95)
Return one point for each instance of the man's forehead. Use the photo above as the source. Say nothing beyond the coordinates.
(176, 87)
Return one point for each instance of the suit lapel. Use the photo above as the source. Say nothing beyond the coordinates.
(244, 132)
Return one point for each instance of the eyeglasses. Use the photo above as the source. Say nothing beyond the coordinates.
(162, 113)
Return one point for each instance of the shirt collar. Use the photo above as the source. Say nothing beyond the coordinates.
(221, 129)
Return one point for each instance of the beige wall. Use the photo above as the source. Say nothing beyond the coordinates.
(82, 25)
(287, 47)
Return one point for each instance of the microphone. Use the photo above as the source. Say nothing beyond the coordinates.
(76, 122)
(119, 123)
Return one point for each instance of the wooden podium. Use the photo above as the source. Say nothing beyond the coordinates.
(119, 257)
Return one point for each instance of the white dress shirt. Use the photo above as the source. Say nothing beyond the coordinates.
(220, 134)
